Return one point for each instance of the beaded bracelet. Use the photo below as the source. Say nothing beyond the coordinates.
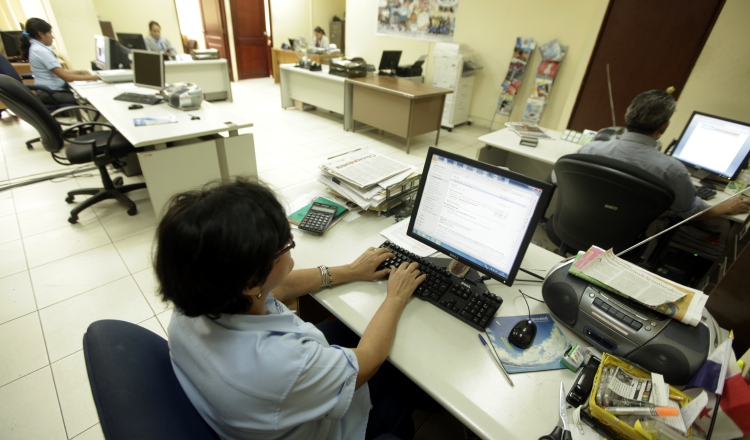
(325, 277)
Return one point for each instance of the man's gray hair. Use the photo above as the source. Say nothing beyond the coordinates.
(649, 111)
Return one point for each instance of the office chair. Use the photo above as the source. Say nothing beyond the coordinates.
(135, 390)
(101, 147)
(6, 68)
(604, 202)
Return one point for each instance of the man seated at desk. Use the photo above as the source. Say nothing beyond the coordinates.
(156, 43)
(647, 118)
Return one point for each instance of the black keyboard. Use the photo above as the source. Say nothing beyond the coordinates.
(704, 193)
(470, 304)
(139, 98)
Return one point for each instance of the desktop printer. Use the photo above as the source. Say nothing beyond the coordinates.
(183, 95)
(410, 70)
(626, 329)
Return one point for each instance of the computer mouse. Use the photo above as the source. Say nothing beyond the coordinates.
(135, 107)
(523, 334)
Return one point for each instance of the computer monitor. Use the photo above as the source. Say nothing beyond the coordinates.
(389, 60)
(148, 69)
(714, 147)
(109, 54)
(132, 41)
(476, 213)
(10, 41)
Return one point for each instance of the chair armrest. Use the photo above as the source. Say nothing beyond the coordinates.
(27, 76)
(63, 110)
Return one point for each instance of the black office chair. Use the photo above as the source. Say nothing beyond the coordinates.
(135, 390)
(604, 202)
(102, 147)
(6, 68)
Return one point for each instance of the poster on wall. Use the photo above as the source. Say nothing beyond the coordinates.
(432, 20)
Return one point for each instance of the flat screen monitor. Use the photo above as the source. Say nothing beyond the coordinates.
(132, 41)
(148, 69)
(713, 146)
(10, 42)
(389, 60)
(481, 215)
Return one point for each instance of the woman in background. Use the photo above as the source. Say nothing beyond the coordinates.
(321, 40)
(156, 43)
(35, 46)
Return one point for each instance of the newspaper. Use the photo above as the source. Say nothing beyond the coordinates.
(605, 269)
(527, 130)
(363, 167)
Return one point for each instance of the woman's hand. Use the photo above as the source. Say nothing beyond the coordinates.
(404, 280)
(363, 268)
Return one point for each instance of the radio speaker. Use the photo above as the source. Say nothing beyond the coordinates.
(562, 294)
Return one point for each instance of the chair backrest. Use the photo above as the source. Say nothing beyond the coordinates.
(605, 202)
(136, 392)
(6, 68)
(22, 101)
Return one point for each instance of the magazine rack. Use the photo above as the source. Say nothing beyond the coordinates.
(517, 68)
(552, 56)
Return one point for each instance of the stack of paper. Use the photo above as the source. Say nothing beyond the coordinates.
(363, 175)
(526, 129)
(606, 270)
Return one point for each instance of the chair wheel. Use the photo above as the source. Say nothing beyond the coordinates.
(69, 199)
(73, 219)
(29, 146)
(450, 130)
(133, 211)
(117, 181)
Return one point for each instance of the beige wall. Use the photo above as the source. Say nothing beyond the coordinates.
(489, 29)
(191, 22)
(719, 82)
(132, 16)
(291, 18)
(75, 28)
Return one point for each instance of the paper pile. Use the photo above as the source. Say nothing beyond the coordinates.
(363, 175)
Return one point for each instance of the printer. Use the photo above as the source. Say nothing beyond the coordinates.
(411, 70)
(183, 95)
(624, 328)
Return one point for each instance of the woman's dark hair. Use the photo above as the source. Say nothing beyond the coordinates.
(319, 29)
(33, 27)
(214, 243)
(152, 23)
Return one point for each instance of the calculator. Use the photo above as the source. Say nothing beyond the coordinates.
(318, 218)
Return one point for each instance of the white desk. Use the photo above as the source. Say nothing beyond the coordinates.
(320, 89)
(203, 154)
(212, 76)
(503, 149)
(437, 351)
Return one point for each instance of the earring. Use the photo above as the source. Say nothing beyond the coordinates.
(259, 295)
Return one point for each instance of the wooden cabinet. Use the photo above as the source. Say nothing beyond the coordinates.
(337, 31)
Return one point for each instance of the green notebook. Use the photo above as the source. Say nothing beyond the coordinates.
(298, 215)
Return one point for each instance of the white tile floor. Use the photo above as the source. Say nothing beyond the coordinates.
(57, 278)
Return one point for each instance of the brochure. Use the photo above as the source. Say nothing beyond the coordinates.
(527, 130)
(155, 120)
(545, 354)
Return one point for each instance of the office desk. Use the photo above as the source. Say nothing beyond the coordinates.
(320, 89)
(437, 351)
(203, 154)
(502, 148)
(398, 106)
(284, 56)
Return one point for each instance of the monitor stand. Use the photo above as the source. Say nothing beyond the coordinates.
(472, 276)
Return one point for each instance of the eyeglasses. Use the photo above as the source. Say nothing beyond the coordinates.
(286, 249)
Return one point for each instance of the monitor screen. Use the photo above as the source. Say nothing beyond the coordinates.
(478, 214)
(389, 59)
(101, 52)
(148, 69)
(714, 146)
(10, 42)
(132, 41)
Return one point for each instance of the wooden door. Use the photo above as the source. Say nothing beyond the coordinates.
(215, 29)
(648, 45)
(250, 38)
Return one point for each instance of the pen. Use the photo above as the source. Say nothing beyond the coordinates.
(496, 360)
(664, 411)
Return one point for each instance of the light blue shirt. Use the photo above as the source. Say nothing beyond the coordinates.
(268, 377)
(640, 150)
(42, 61)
